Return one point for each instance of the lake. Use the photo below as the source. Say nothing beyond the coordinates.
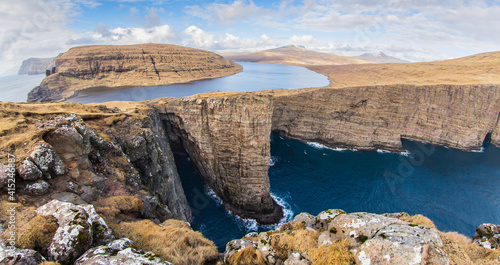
(255, 76)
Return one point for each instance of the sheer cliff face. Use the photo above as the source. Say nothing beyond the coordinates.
(378, 117)
(228, 140)
(129, 65)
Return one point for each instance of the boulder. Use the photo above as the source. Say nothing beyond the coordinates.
(21, 257)
(296, 258)
(120, 251)
(3, 176)
(236, 246)
(29, 171)
(80, 228)
(47, 160)
(488, 236)
(38, 187)
(402, 244)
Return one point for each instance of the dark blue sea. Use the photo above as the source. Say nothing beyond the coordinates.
(457, 190)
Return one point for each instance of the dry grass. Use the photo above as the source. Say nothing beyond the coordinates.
(462, 251)
(50, 263)
(125, 208)
(301, 241)
(336, 254)
(37, 234)
(23, 214)
(175, 241)
(418, 219)
(249, 255)
(477, 69)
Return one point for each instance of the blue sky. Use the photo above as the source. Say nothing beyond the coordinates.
(416, 31)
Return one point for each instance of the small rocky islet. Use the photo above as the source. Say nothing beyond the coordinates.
(97, 183)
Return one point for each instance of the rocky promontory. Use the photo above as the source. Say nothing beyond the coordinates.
(36, 66)
(128, 65)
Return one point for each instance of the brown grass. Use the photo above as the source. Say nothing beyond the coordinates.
(249, 255)
(23, 215)
(125, 208)
(477, 69)
(299, 241)
(336, 254)
(37, 234)
(418, 219)
(462, 251)
(175, 241)
(50, 263)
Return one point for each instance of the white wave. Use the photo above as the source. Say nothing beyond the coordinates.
(477, 151)
(251, 225)
(305, 152)
(212, 194)
(322, 146)
(272, 161)
(404, 153)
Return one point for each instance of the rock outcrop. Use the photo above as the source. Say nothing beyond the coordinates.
(36, 66)
(228, 140)
(83, 160)
(488, 236)
(128, 65)
(378, 117)
(336, 237)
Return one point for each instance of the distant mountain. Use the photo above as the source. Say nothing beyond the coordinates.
(380, 57)
(294, 55)
(36, 66)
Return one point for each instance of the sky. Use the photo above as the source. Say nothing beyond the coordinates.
(424, 30)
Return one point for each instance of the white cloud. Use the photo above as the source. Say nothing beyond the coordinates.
(158, 34)
(227, 13)
(199, 38)
(33, 28)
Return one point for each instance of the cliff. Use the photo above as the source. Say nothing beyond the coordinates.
(84, 154)
(128, 65)
(228, 139)
(36, 66)
(378, 117)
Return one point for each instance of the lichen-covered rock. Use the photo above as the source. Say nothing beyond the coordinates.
(305, 218)
(237, 245)
(296, 258)
(79, 229)
(21, 257)
(324, 218)
(37, 188)
(118, 252)
(488, 236)
(69, 142)
(3, 176)
(29, 171)
(47, 160)
(359, 227)
(265, 247)
(402, 244)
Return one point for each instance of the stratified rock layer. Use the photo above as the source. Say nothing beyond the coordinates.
(378, 117)
(228, 140)
(128, 65)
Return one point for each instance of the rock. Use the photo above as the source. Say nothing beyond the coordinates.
(21, 257)
(227, 137)
(47, 160)
(306, 218)
(264, 246)
(29, 171)
(129, 65)
(36, 188)
(4, 180)
(118, 252)
(89, 194)
(325, 239)
(323, 219)
(36, 66)
(296, 258)
(68, 197)
(377, 117)
(79, 229)
(488, 236)
(359, 227)
(402, 244)
(237, 245)
(69, 142)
